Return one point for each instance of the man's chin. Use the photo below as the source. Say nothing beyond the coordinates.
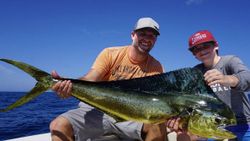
(143, 50)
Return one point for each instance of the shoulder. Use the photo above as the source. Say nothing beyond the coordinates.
(112, 52)
(231, 64)
(155, 63)
(115, 49)
(230, 59)
(228, 56)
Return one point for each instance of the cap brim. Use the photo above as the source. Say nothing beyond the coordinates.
(153, 29)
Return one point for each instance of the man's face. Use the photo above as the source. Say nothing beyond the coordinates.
(204, 51)
(144, 39)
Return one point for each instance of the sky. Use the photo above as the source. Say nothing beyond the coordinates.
(66, 35)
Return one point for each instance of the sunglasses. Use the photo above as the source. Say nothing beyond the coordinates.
(200, 47)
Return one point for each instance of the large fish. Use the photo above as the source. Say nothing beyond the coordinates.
(151, 99)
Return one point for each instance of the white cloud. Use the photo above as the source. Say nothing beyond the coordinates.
(189, 2)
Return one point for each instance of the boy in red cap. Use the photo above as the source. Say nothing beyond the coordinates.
(228, 77)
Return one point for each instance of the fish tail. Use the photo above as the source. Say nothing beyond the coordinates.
(44, 79)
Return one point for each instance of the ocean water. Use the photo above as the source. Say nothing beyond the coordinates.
(33, 117)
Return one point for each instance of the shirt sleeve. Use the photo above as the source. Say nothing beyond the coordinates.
(102, 62)
(156, 66)
(241, 72)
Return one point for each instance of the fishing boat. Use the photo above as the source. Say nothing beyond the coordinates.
(38, 137)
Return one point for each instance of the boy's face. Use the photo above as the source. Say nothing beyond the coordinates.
(204, 51)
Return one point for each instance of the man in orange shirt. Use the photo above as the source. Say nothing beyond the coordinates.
(114, 63)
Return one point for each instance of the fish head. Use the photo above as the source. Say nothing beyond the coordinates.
(209, 124)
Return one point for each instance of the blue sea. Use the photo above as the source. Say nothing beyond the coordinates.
(33, 117)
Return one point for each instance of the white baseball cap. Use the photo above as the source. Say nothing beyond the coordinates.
(147, 22)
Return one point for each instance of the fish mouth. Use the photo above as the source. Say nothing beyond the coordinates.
(210, 125)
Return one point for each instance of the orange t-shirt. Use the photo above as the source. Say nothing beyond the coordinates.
(114, 62)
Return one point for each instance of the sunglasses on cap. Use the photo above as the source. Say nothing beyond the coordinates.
(200, 47)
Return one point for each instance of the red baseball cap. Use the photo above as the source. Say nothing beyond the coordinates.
(201, 36)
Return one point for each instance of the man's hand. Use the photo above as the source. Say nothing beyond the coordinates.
(62, 88)
(153, 132)
(214, 76)
(173, 124)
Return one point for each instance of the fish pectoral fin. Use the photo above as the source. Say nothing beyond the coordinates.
(37, 90)
(186, 112)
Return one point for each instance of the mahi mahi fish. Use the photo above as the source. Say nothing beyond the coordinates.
(151, 99)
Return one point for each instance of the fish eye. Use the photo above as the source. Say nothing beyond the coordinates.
(190, 110)
(218, 120)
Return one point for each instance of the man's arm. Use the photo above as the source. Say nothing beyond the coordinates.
(96, 73)
(241, 72)
(92, 75)
(64, 88)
